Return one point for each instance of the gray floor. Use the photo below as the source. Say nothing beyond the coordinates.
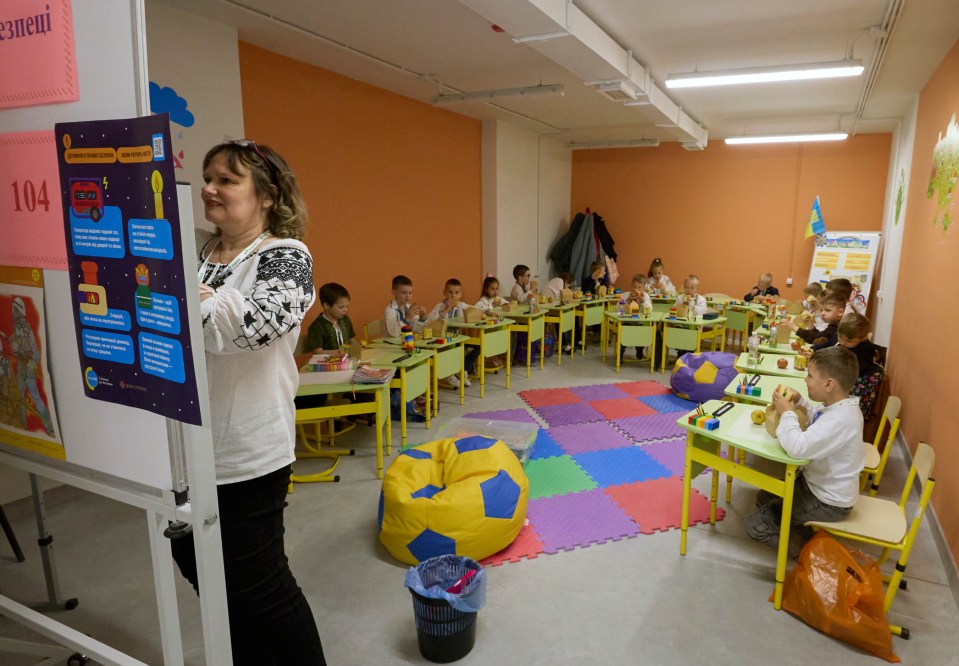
(632, 601)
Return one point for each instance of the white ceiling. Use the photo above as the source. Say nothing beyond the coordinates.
(412, 46)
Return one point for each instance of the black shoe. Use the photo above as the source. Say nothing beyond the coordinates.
(641, 354)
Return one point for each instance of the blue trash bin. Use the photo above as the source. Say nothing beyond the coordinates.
(445, 620)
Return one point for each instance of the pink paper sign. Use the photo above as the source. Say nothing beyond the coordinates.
(38, 63)
(31, 214)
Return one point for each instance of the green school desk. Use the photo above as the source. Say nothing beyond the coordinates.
(533, 325)
(380, 408)
(681, 333)
(412, 378)
(448, 358)
(590, 313)
(783, 349)
(766, 384)
(737, 430)
(663, 303)
(564, 316)
(767, 366)
(631, 331)
(492, 337)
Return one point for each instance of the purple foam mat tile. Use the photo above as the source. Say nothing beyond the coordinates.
(557, 415)
(518, 415)
(599, 392)
(658, 426)
(577, 519)
(670, 453)
(584, 437)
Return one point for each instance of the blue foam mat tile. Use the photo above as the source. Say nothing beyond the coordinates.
(613, 467)
(545, 446)
(668, 403)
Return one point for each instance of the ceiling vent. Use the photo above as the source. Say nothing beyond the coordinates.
(620, 90)
(694, 145)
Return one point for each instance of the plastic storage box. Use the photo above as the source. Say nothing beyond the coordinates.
(519, 437)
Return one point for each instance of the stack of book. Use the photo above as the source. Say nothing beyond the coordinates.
(366, 374)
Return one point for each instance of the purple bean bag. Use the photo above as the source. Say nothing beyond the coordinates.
(704, 376)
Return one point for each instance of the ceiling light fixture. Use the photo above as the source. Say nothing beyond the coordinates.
(787, 138)
(632, 143)
(817, 70)
(483, 95)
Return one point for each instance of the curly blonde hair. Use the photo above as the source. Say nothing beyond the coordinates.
(272, 177)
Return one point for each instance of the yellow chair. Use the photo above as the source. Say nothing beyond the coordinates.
(314, 448)
(885, 523)
(875, 461)
(373, 329)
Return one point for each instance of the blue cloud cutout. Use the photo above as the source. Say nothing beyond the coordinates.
(166, 100)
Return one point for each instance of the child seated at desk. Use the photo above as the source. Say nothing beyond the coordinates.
(694, 301)
(657, 283)
(521, 289)
(332, 330)
(554, 290)
(828, 486)
(402, 311)
(853, 334)
(764, 287)
(691, 296)
(811, 295)
(637, 294)
(596, 277)
(491, 298)
(832, 307)
(451, 306)
(842, 286)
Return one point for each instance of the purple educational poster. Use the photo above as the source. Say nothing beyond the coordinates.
(126, 266)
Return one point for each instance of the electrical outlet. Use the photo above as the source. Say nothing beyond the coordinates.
(789, 282)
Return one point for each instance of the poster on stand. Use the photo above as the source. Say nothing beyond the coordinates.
(28, 417)
(126, 267)
(38, 62)
(847, 254)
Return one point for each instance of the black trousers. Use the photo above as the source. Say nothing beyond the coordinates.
(270, 619)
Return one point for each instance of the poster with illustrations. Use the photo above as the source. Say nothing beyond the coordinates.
(850, 255)
(125, 262)
(28, 417)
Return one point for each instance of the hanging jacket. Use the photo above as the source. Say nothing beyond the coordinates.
(563, 247)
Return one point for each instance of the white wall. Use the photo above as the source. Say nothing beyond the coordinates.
(900, 167)
(199, 59)
(526, 193)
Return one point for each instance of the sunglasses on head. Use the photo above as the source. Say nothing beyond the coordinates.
(250, 143)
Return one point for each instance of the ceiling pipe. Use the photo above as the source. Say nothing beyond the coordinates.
(588, 52)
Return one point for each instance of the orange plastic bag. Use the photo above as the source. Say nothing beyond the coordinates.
(838, 591)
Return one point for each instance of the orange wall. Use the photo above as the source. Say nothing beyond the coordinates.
(392, 185)
(730, 213)
(922, 349)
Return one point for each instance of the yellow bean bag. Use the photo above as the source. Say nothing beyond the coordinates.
(463, 496)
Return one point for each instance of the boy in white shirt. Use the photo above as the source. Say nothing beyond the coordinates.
(691, 295)
(451, 306)
(828, 486)
(402, 311)
(520, 291)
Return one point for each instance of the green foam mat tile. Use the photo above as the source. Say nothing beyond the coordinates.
(556, 476)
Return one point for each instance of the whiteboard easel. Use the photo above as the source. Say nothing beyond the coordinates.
(130, 460)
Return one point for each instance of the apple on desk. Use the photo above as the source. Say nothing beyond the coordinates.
(782, 363)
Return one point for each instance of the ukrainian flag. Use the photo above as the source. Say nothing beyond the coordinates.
(815, 226)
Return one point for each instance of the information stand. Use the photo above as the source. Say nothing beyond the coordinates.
(847, 254)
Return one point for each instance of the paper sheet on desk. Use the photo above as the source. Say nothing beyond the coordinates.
(744, 428)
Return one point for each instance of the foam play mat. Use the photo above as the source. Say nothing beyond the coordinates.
(608, 466)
